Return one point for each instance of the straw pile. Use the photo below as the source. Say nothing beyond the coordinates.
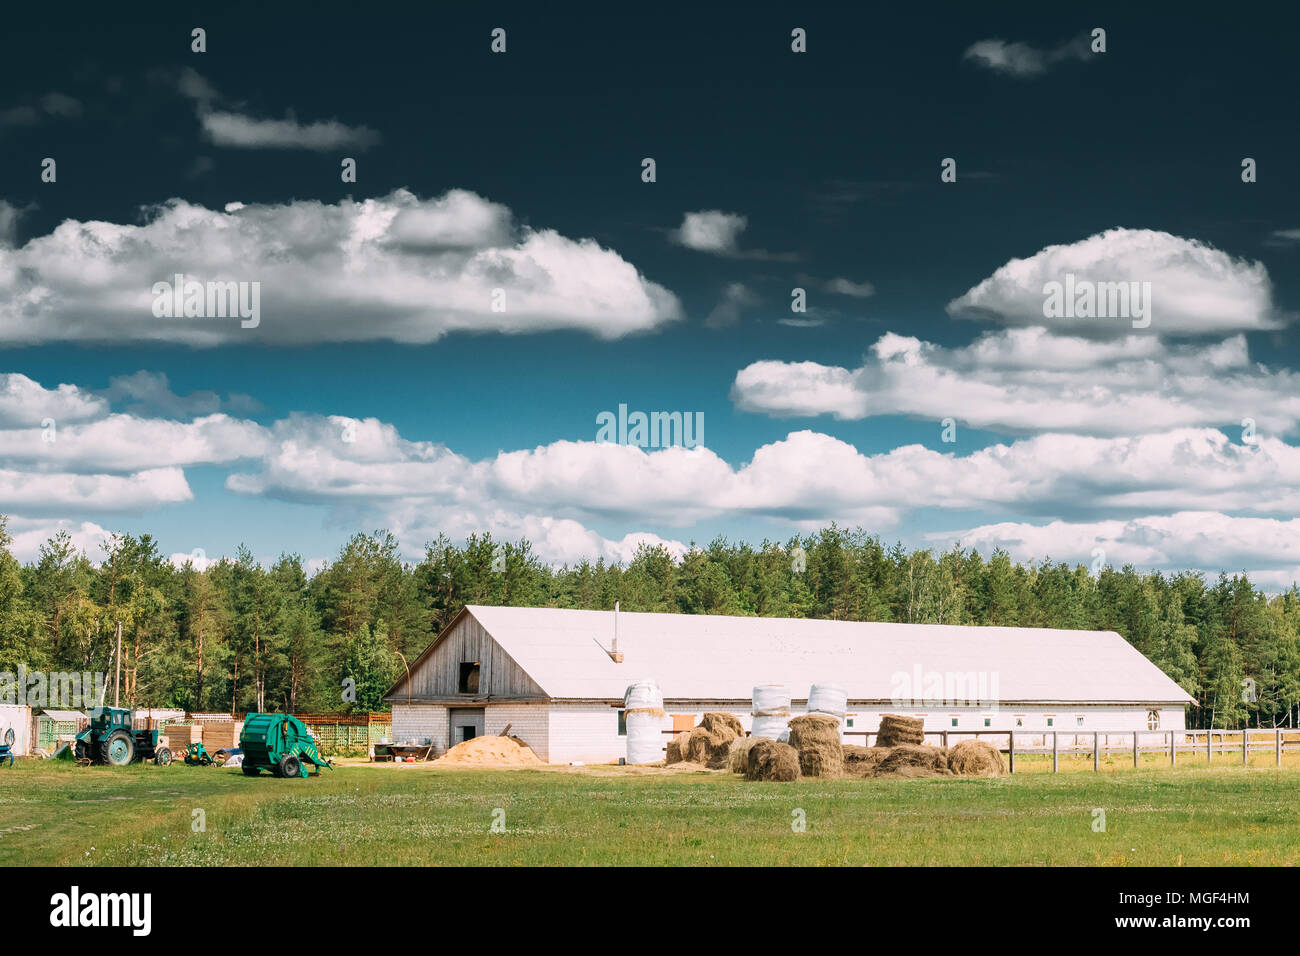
(914, 760)
(710, 742)
(768, 760)
(739, 756)
(676, 750)
(816, 737)
(975, 758)
(862, 761)
(895, 730)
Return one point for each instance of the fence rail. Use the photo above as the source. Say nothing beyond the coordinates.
(1245, 742)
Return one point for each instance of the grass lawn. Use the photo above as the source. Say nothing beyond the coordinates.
(359, 815)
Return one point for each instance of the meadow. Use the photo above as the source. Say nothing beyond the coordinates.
(422, 815)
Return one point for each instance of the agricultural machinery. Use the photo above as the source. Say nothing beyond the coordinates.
(196, 755)
(280, 744)
(110, 740)
(7, 748)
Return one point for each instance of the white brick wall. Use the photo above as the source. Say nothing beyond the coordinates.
(415, 722)
(586, 732)
(529, 722)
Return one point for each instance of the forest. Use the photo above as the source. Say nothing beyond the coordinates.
(237, 636)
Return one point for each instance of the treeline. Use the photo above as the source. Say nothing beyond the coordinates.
(236, 636)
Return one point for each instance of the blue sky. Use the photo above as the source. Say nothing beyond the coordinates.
(775, 170)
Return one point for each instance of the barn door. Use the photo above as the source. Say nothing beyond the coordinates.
(466, 723)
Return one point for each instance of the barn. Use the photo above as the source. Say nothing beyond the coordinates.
(556, 677)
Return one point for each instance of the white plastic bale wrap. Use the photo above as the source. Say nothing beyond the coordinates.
(830, 699)
(771, 727)
(771, 711)
(645, 740)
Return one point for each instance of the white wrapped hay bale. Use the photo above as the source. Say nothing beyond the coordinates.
(643, 712)
(771, 711)
(829, 699)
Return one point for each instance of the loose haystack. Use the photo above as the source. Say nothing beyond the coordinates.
(710, 743)
(895, 730)
(769, 760)
(739, 757)
(862, 761)
(715, 719)
(975, 758)
(490, 752)
(677, 748)
(817, 739)
(914, 760)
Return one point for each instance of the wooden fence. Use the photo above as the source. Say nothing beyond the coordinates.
(1195, 744)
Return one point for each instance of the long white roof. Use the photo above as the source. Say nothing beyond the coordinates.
(716, 657)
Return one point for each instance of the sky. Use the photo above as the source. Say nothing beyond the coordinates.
(436, 338)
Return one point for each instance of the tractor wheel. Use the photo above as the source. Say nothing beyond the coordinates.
(250, 771)
(163, 757)
(81, 752)
(290, 766)
(118, 749)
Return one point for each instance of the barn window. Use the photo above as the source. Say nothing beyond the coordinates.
(1078, 721)
(622, 723)
(468, 677)
(1153, 720)
(988, 721)
(954, 721)
(849, 721)
(1051, 721)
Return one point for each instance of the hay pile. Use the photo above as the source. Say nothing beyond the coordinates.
(913, 760)
(975, 758)
(738, 759)
(768, 760)
(710, 742)
(816, 737)
(862, 761)
(676, 750)
(895, 730)
(490, 752)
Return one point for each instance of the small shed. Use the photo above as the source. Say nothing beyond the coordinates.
(18, 718)
(55, 727)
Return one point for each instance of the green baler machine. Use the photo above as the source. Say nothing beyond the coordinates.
(280, 744)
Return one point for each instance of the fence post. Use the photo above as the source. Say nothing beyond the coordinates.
(1209, 747)
(1278, 745)
(1096, 750)
(1245, 748)
(1173, 750)
(1135, 750)
(1054, 752)
(1011, 752)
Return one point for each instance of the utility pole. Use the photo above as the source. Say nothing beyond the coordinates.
(117, 673)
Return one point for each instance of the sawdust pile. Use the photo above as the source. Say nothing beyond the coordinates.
(490, 752)
(975, 758)
(769, 760)
(895, 730)
(816, 737)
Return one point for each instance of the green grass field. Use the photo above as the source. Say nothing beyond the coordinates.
(361, 815)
